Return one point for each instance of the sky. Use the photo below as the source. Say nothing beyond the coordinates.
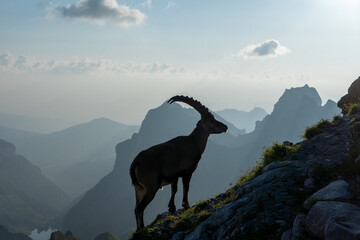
(83, 59)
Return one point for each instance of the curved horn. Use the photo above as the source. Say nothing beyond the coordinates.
(204, 111)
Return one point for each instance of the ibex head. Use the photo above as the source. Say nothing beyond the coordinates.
(207, 122)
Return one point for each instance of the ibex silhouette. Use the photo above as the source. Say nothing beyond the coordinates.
(165, 163)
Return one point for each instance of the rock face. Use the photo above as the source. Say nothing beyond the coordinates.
(353, 96)
(338, 190)
(334, 220)
(106, 236)
(59, 236)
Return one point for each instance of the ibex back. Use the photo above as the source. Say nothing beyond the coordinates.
(165, 163)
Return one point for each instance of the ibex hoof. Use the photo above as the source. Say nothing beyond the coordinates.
(186, 205)
(172, 209)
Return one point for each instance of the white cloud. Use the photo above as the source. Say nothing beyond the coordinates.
(6, 61)
(268, 48)
(170, 4)
(101, 11)
(85, 65)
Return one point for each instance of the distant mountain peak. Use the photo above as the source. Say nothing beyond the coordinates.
(295, 95)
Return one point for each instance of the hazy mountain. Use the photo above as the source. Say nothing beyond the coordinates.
(242, 119)
(109, 205)
(32, 124)
(6, 235)
(296, 109)
(75, 158)
(28, 200)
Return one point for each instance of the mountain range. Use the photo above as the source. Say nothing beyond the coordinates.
(75, 158)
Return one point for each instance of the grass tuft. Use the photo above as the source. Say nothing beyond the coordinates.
(354, 108)
(316, 129)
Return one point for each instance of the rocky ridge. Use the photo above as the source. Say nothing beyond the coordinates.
(309, 190)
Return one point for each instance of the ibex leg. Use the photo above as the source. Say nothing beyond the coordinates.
(140, 207)
(172, 207)
(139, 193)
(186, 183)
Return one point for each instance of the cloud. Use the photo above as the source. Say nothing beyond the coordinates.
(6, 61)
(268, 48)
(85, 65)
(170, 4)
(101, 11)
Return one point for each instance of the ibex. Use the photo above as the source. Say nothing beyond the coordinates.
(165, 163)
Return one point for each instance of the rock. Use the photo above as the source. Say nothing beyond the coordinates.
(353, 96)
(106, 236)
(338, 190)
(298, 231)
(178, 236)
(309, 183)
(357, 159)
(334, 221)
(59, 236)
(286, 235)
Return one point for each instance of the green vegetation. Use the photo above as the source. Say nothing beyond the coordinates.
(316, 129)
(336, 117)
(187, 221)
(354, 108)
(277, 152)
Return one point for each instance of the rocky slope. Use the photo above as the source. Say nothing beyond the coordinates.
(309, 190)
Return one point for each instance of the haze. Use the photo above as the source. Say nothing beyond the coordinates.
(79, 60)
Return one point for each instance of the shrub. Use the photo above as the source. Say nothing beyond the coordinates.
(277, 152)
(354, 108)
(316, 129)
(336, 117)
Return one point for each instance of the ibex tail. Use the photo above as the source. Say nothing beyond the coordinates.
(133, 176)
